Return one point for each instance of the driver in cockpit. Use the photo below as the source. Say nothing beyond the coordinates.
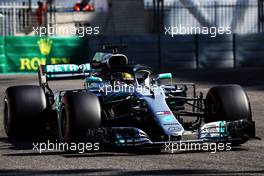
(122, 78)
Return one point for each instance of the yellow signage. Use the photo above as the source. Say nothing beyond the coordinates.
(45, 45)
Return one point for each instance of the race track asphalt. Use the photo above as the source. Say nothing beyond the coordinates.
(18, 158)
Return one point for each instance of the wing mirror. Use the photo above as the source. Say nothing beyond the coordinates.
(164, 76)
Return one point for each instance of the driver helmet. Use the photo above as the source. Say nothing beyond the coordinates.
(124, 77)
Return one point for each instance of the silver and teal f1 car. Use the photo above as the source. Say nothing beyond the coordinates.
(123, 104)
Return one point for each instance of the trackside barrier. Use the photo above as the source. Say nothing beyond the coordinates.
(142, 49)
(215, 52)
(178, 52)
(24, 54)
(249, 50)
(3, 63)
(162, 53)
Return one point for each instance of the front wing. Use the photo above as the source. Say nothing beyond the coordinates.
(235, 132)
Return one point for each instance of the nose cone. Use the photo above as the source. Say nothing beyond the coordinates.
(163, 115)
(169, 123)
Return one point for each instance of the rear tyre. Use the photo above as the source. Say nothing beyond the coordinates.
(80, 111)
(23, 106)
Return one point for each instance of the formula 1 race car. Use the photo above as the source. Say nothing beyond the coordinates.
(123, 104)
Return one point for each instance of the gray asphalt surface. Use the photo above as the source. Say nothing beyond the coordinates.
(17, 157)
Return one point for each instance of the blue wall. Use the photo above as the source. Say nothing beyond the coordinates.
(188, 51)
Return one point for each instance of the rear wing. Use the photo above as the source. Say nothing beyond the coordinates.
(63, 72)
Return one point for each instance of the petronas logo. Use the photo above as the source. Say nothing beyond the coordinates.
(45, 46)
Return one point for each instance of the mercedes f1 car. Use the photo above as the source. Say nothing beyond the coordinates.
(123, 104)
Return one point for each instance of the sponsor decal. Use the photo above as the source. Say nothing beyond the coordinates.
(62, 68)
(31, 64)
(67, 68)
(175, 128)
(163, 112)
(213, 130)
(169, 124)
(45, 46)
(168, 118)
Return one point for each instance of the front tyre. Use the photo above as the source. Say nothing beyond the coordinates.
(79, 112)
(227, 102)
(230, 103)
